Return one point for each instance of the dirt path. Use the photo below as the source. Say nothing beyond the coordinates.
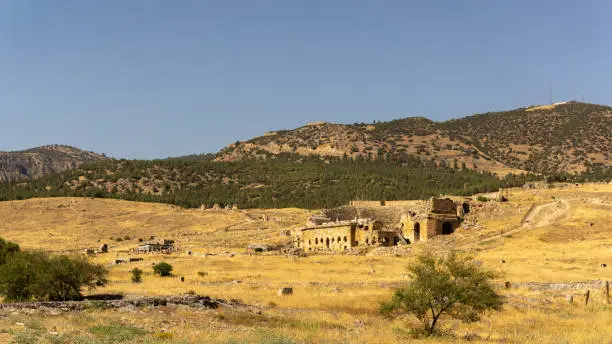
(546, 214)
(538, 216)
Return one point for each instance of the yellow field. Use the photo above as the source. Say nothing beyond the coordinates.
(544, 235)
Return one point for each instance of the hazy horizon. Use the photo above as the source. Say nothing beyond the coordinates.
(156, 79)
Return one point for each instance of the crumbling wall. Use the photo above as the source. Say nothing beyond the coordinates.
(442, 206)
(335, 238)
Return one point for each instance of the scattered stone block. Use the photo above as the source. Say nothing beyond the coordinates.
(285, 291)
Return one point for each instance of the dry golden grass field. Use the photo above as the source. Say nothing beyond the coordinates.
(557, 235)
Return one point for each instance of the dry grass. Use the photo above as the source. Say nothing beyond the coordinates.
(335, 297)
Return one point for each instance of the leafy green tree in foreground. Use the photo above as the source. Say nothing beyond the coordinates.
(28, 276)
(444, 284)
(162, 269)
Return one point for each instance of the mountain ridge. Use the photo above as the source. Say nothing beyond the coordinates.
(556, 138)
(548, 139)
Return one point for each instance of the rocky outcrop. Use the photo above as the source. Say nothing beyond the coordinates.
(155, 301)
(37, 162)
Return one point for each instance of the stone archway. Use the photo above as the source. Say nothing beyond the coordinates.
(327, 242)
(447, 228)
(417, 232)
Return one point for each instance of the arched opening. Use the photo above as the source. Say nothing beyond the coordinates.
(327, 242)
(447, 228)
(339, 239)
(367, 241)
(309, 242)
(417, 232)
(345, 240)
(366, 228)
(466, 208)
(395, 240)
(316, 241)
(332, 240)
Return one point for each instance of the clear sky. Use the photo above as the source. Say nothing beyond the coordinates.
(156, 78)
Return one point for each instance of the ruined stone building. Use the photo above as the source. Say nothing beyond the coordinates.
(339, 236)
(165, 246)
(436, 217)
(442, 217)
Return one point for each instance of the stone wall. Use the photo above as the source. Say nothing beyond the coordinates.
(341, 237)
(442, 206)
(335, 238)
(51, 307)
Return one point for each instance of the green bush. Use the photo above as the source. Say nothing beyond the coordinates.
(162, 269)
(7, 249)
(27, 276)
(482, 199)
(136, 275)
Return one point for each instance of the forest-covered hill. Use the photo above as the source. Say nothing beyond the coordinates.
(287, 181)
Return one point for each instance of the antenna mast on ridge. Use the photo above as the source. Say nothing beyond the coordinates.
(549, 92)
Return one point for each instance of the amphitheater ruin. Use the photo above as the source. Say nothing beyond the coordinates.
(345, 228)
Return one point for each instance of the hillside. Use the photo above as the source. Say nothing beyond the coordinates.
(570, 137)
(293, 181)
(565, 137)
(39, 161)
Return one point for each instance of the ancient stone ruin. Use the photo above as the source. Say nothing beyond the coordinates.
(438, 217)
(153, 246)
(442, 217)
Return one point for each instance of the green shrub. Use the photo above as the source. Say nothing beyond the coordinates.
(7, 249)
(27, 276)
(162, 269)
(136, 275)
(482, 199)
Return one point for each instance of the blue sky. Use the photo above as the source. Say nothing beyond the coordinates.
(155, 78)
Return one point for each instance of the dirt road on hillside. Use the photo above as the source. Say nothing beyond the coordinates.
(547, 214)
(538, 216)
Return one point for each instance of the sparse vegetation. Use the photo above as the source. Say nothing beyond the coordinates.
(27, 276)
(336, 297)
(163, 269)
(136, 275)
(444, 284)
